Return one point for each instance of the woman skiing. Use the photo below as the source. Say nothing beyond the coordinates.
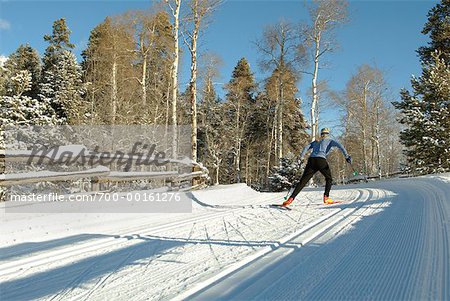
(317, 162)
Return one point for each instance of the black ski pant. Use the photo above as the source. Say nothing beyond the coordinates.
(314, 165)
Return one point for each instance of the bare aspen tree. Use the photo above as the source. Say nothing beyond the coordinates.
(368, 123)
(280, 48)
(108, 69)
(198, 11)
(326, 16)
(377, 139)
(116, 52)
(154, 42)
(146, 38)
(379, 116)
(175, 7)
(114, 89)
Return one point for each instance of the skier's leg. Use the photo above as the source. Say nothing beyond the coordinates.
(326, 172)
(307, 175)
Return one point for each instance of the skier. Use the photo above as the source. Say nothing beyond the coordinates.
(317, 162)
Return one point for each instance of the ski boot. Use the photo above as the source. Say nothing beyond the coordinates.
(287, 202)
(327, 200)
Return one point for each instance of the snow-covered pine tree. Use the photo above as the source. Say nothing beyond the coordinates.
(61, 83)
(427, 116)
(284, 175)
(438, 28)
(19, 109)
(25, 58)
(70, 87)
(62, 88)
(426, 111)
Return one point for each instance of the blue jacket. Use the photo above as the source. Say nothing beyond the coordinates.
(323, 147)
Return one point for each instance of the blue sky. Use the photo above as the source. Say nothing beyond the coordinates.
(381, 33)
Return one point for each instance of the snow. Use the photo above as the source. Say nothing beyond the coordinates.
(387, 240)
(3, 59)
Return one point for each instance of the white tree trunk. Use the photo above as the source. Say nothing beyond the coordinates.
(166, 129)
(275, 128)
(269, 153)
(280, 124)
(176, 25)
(114, 91)
(364, 128)
(144, 83)
(215, 156)
(246, 168)
(377, 140)
(193, 85)
(238, 142)
(315, 97)
(216, 182)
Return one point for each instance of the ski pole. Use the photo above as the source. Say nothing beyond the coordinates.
(355, 173)
(290, 190)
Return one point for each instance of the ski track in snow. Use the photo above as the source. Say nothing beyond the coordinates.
(394, 248)
(389, 240)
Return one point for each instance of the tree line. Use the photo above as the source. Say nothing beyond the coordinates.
(129, 75)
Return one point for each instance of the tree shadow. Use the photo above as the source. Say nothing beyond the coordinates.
(67, 277)
(210, 241)
(29, 248)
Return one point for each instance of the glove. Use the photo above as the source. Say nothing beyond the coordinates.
(349, 159)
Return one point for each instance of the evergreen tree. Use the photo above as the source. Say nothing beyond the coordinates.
(426, 112)
(211, 135)
(438, 27)
(59, 41)
(25, 58)
(284, 175)
(61, 83)
(63, 88)
(242, 84)
(71, 88)
(263, 129)
(427, 116)
(20, 109)
(240, 102)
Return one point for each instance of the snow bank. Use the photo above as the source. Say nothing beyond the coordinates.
(234, 194)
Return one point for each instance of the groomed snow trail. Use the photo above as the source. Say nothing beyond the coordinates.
(399, 253)
(388, 240)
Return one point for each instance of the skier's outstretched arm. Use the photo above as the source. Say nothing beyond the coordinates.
(348, 158)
